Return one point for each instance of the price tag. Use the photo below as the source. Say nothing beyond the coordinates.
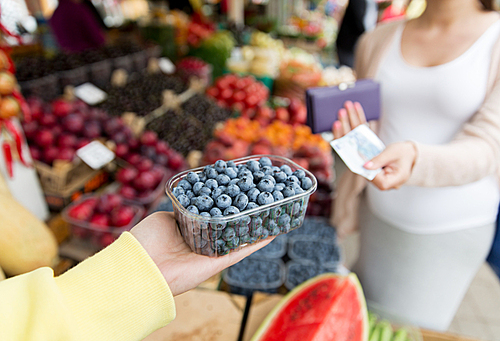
(166, 66)
(95, 154)
(90, 94)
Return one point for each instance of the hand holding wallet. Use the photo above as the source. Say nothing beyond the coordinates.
(324, 103)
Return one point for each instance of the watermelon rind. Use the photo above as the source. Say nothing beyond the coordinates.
(352, 277)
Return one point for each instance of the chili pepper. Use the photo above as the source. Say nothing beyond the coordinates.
(12, 129)
(24, 106)
(8, 157)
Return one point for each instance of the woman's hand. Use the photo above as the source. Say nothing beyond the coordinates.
(183, 269)
(349, 117)
(397, 162)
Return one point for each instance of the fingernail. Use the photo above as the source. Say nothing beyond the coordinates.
(337, 125)
(342, 113)
(368, 165)
(357, 105)
(348, 104)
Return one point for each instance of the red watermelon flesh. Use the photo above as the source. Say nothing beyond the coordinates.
(326, 308)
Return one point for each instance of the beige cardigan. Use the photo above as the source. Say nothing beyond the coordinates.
(473, 154)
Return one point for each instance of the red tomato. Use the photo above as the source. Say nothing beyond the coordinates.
(213, 92)
(251, 101)
(231, 79)
(239, 95)
(222, 83)
(226, 94)
(252, 88)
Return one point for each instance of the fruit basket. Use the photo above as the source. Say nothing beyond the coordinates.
(275, 249)
(97, 221)
(215, 234)
(314, 250)
(254, 274)
(298, 272)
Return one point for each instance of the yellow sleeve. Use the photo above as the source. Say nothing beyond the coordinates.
(117, 294)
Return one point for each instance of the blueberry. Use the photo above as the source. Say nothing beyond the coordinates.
(270, 178)
(265, 185)
(204, 203)
(274, 229)
(251, 205)
(297, 188)
(286, 169)
(210, 172)
(241, 166)
(220, 166)
(233, 181)
(190, 194)
(284, 219)
(253, 166)
(193, 209)
(220, 247)
(233, 243)
(245, 220)
(245, 172)
(257, 176)
(202, 177)
(252, 194)
(222, 179)
(228, 234)
(224, 201)
(241, 201)
(193, 201)
(288, 192)
(231, 210)
(292, 179)
(306, 183)
(245, 183)
(197, 187)
(265, 198)
(265, 161)
(243, 230)
(257, 232)
(192, 177)
(267, 170)
(264, 234)
(277, 195)
(256, 223)
(218, 227)
(231, 173)
(245, 239)
(280, 176)
(205, 191)
(231, 164)
(233, 190)
(185, 184)
(276, 169)
(218, 191)
(285, 228)
(212, 184)
(215, 212)
(279, 187)
(178, 191)
(205, 214)
(184, 200)
(299, 173)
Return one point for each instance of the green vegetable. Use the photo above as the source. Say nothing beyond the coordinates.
(385, 330)
(400, 335)
(375, 335)
(372, 321)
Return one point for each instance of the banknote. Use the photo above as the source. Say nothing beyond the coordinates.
(357, 147)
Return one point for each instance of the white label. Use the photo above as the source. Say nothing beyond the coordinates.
(95, 154)
(90, 94)
(166, 66)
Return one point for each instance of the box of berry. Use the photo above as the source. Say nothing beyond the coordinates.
(228, 205)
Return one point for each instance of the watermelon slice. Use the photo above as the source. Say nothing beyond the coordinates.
(328, 307)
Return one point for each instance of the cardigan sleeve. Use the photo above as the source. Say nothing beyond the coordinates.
(118, 294)
(473, 154)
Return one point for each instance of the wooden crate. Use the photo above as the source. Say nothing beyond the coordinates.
(62, 175)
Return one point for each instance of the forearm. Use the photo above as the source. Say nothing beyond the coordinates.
(118, 294)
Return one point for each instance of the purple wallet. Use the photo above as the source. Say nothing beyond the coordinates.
(324, 103)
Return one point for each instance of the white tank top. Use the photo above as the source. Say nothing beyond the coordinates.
(430, 105)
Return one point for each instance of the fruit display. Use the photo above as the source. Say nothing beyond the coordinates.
(317, 251)
(333, 76)
(316, 227)
(142, 94)
(26, 242)
(253, 274)
(258, 61)
(101, 219)
(242, 136)
(292, 111)
(327, 307)
(298, 272)
(197, 120)
(382, 330)
(194, 67)
(239, 93)
(215, 50)
(225, 206)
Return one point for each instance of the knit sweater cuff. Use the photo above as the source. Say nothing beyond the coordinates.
(119, 293)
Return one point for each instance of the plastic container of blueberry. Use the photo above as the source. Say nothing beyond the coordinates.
(298, 272)
(275, 249)
(255, 274)
(314, 250)
(318, 227)
(216, 233)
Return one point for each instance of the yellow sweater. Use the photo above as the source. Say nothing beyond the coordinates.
(117, 294)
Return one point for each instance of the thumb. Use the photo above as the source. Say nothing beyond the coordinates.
(379, 161)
